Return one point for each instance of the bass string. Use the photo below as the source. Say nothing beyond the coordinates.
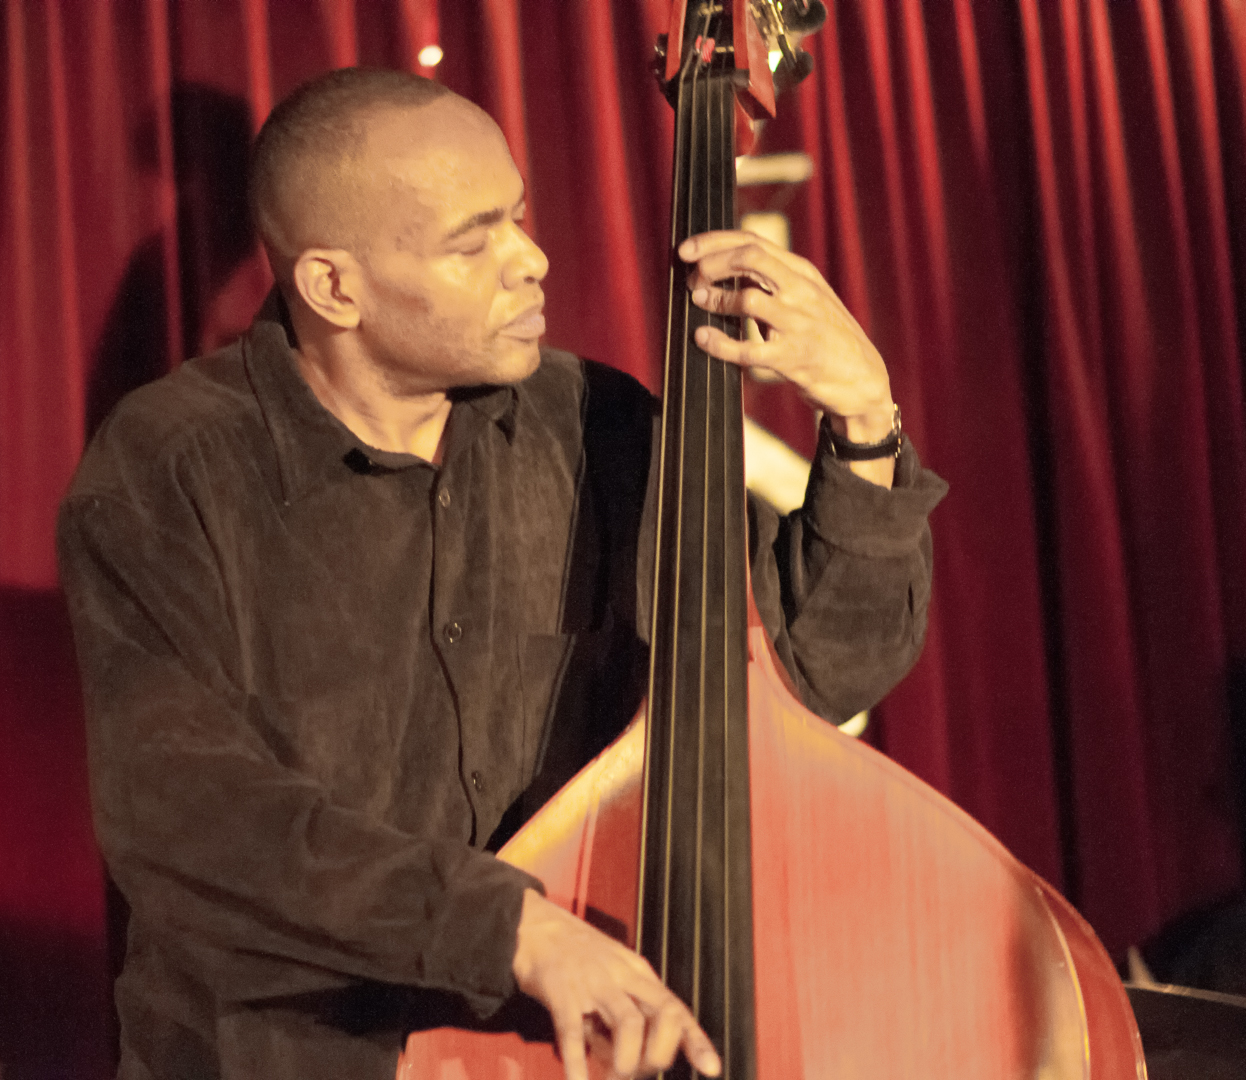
(705, 102)
(710, 95)
(715, 97)
(660, 545)
(659, 539)
(724, 103)
(717, 101)
(708, 165)
(689, 81)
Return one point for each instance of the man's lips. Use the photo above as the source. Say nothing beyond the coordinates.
(528, 324)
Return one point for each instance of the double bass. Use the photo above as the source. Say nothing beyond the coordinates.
(824, 913)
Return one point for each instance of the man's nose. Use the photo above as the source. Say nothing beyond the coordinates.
(525, 263)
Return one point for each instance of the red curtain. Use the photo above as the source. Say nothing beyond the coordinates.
(1034, 208)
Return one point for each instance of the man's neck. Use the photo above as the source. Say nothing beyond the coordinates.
(413, 424)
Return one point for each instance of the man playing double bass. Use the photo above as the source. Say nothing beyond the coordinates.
(354, 595)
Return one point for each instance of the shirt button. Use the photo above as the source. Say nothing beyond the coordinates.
(453, 632)
(477, 783)
(443, 497)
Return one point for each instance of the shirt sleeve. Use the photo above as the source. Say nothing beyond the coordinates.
(248, 874)
(843, 583)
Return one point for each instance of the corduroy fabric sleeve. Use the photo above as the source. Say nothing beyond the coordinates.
(843, 583)
(253, 879)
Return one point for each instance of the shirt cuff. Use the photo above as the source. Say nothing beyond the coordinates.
(851, 513)
(476, 937)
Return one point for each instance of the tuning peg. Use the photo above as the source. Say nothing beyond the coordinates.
(804, 16)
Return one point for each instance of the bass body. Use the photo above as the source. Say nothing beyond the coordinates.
(893, 936)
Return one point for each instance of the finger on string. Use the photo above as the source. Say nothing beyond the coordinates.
(792, 295)
(780, 269)
(626, 1022)
(666, 1034)
(716, 240)
(674, 1029)
(732, 283)
(750, 302)
(656, 1002)
(744, 353)
(716, 249)
(700, 1051)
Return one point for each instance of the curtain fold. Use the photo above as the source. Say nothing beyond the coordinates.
(1034, 209)
(1098, 652)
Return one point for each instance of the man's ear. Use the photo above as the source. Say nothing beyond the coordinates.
(328, 281)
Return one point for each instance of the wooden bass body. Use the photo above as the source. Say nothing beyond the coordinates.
(893, 936)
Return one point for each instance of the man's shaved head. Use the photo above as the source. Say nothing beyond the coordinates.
(305, 164)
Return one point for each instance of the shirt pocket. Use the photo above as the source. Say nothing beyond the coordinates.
(562, 677)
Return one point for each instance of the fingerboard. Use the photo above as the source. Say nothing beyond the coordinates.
(694, 922)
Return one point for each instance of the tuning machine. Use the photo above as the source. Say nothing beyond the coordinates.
(783, 24)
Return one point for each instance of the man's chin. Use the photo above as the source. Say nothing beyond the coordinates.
(520, 362)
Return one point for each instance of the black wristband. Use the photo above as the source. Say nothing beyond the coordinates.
(845, 450)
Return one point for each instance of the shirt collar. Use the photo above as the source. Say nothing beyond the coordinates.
(314, 447)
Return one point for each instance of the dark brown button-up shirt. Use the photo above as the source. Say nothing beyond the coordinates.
(323, 681)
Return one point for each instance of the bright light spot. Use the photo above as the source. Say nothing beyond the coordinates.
(776, 56)
(430, 56)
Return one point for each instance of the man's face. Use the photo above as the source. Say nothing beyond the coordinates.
(451, 292)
